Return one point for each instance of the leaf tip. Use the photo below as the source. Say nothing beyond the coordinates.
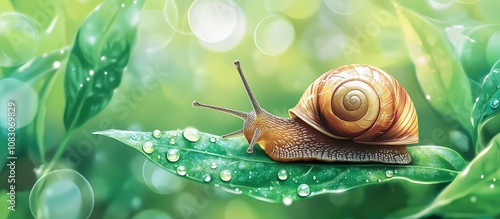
(104, 132)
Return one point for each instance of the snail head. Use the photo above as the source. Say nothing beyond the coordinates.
(250, 128)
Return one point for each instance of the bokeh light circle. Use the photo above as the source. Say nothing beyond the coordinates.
(19, 38)
(24, 98)
(153, 32)
(160, 180)
(62, 194)
(176, 15)
(212, 20)
(343, 7)
(274, 35)
(234, 38)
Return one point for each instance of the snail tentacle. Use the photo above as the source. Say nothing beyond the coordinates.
(236, 113)
(237, 132)
(256, 136)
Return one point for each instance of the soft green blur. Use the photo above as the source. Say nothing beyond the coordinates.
(171, 66)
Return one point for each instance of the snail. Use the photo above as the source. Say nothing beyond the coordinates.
(353, 113)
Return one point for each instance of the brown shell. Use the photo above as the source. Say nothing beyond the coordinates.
(362, 103)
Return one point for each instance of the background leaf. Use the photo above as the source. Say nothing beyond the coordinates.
(39, 74)
(487, 105)
(210, 159)
(439, 72)
(476, 190)
(100, 53)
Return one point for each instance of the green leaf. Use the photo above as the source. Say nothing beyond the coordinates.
(487, 104)
(207, 157)
(476, 190)
(438, 71)
(99, 55)
(40, 73)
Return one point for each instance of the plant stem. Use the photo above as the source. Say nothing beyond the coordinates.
(58, 154)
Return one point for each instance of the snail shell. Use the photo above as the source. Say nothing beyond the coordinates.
(360, 103)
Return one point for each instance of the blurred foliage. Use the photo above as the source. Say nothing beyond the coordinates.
(175, 61)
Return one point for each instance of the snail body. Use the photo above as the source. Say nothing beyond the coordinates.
(353, 113)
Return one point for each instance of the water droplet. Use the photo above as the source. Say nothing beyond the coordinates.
(389, 173)
(367, 180)
(314, 177)
(212, 139)
(369, 173)
(172, 141)
(492, 186)
(207, 178)
(473, 199)
(494, 179)
(173, 155)
(494, 103)
(158, 157)
(157, 133)
(287, 201)
(191, 134)
(303, 190)
(123, 5)
(103, 58)
(482, 176)
(91, 72)
(56, 64)
(225, 175)
(282, 174)
(379, 180)
(428, 97)
(213, 165)
(148, 147)
(237, 190)
(271, 188)
(181, 170)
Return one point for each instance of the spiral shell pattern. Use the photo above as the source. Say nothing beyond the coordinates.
(362, 103)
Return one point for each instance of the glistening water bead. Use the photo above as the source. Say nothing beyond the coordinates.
(148, 147)
(157, 133)
(282, 174)
(225, 175)
(191, 134)
(213, 165)
(207, 178)
(181, 170)
(389, 173)
(173, 155)
(494, 103)
(303, 190)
